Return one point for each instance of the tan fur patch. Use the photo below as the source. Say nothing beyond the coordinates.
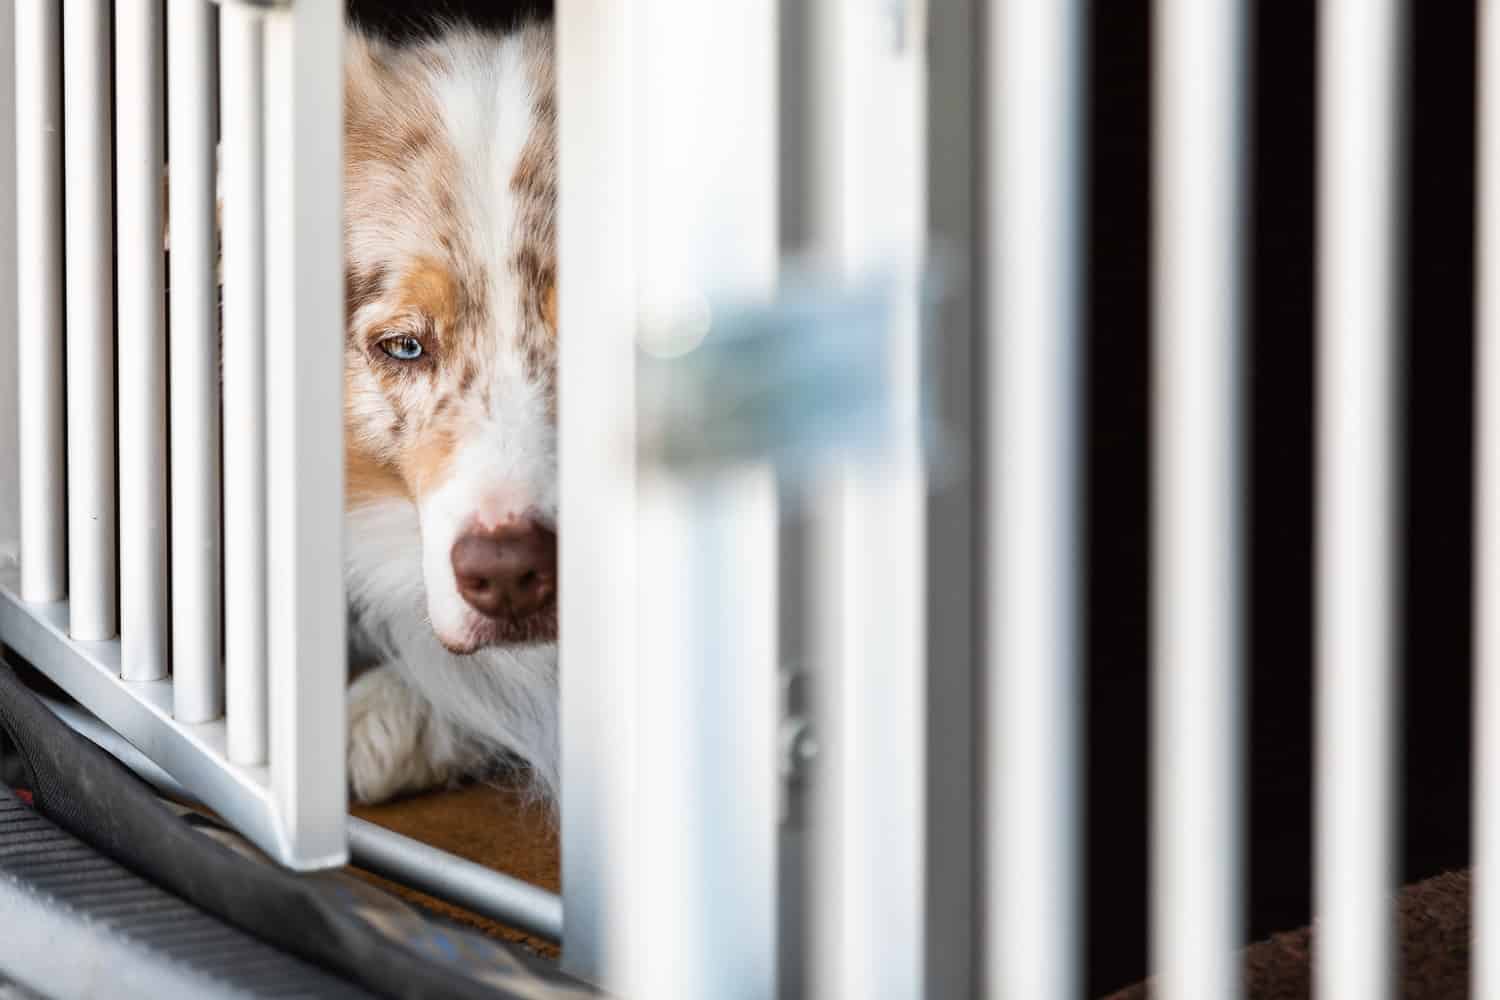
(366, 478)
(428, 288)
(371, 86)
(426, 467)
(549, 308)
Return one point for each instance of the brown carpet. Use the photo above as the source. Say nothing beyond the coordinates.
(1434, 941)
(493, 827)
(488, 825)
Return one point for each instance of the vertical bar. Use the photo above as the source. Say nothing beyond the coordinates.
(1033, 546)
(9, 410)
(870, 634)
(1198, 530)
(865, 214)
(144, 610)
(193, 74)
(1360, 97)
(597, 125)
(826, 163)
(242, 153)
(304, 440)
(39, 300)
(828, 968)
(953, 566)
(10, 458)
(707, 806)
(707, 798)
(795, 902)
(89, 215)
(1486, 941)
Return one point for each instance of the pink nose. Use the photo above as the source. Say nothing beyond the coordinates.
(509, 571)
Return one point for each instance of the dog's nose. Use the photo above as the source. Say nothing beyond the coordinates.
(510, 571)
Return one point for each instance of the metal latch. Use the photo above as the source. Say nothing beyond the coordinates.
(798, 744)
(787, 381)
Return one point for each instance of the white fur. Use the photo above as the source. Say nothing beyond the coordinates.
(500, 700)
(395, 745)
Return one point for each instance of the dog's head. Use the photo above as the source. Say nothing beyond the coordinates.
(450, 190)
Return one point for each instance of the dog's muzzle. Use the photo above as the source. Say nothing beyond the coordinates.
(508, 573)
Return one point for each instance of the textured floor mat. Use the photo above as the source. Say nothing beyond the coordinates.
(111, 933)
(490, 825)
(333, 920)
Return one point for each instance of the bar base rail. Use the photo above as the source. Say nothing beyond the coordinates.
(372, 847)
(141, 711)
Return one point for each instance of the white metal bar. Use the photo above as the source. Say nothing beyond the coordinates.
(868, 218)
(39, 298)
(829, 966)
(10, 458)
(1486, 792)
(192, 76)
(1359, 427)
(89, 211)
(1198, 531)
(244, 382)
(304, 424)
(472, 886)
(140, 289)
(707, 703)
(597, 550)
(707, 796)
(827, 969)
(1034, 455)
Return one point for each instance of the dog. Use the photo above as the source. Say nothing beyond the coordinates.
(450, 415)
(450, 172)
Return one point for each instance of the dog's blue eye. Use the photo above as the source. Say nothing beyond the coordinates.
(402, 348)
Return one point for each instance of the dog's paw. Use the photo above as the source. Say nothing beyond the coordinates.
(391, 750)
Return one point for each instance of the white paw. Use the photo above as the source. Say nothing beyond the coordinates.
(391, 750)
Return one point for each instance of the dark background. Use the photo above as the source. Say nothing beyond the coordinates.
(1439, 321)
(405, 18)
